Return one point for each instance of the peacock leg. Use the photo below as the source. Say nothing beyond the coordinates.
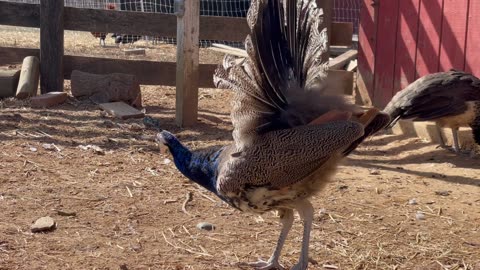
(456, 145)
(286, 218)
(440, 136)
(305, 209)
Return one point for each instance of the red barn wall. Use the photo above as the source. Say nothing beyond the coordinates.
(402, 40)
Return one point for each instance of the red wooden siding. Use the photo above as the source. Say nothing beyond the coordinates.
(472, 57)
(406, 51)
(454, 29)
(367, 43)
(429, 36)
(415, 38)
(385, 53)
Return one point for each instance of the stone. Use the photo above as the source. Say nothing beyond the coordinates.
(420, 216)
(43, 224)
(206, 226)
(442, 193)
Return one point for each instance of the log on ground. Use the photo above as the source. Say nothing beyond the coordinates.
(104, 88)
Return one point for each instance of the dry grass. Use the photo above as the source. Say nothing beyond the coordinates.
(85, 44)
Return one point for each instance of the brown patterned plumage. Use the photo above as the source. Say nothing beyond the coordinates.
(288, 136)
(451, 99)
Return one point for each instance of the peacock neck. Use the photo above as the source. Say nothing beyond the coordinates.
(199, 167)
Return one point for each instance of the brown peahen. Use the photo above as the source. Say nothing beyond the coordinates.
(451, 99)
(288, 137)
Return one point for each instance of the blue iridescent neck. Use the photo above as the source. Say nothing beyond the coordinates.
(198, 166)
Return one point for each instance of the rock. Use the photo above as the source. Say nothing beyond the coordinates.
(420, 216)
(374, 172)
(33, 149)
(96, 149)
(412, 201)
(43, 224)
(50, 147)
(108, 123)
(123, 267)
(442, 193)
(206, 226)
(48, 99)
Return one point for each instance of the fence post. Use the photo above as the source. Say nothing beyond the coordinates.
(187, 77)
(51, 45)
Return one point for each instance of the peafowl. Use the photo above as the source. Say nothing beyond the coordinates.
(288, 137)
(451, 99)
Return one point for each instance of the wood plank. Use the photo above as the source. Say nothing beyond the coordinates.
(341, 34)
(405, 53)
(187, 62)
(352, 66)
(51, 46)
(19, 14)
(340, 61)
(385, 54)
(48, 99)
(147, 72)
(472, 55)
(339, 82)
(429, 35)
(367, 44)
(454, 29)
(363, 93)
(229, 50)
(121, 110)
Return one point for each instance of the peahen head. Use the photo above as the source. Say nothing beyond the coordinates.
(198, 166)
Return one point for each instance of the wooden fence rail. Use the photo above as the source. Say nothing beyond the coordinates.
(138, 23)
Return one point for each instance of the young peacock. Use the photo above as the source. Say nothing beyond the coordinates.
(451, 99)
(288, 137)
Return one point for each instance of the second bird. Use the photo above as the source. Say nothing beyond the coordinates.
(451, 99)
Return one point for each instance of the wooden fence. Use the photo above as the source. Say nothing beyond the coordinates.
(187, 26)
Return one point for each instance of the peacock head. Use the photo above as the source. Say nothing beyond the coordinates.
(169, 140)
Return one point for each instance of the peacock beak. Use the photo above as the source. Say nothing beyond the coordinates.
(159, 139)
(162, 143)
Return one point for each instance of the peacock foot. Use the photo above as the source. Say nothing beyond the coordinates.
(270, 265)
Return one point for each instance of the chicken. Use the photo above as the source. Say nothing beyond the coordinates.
(101, 35)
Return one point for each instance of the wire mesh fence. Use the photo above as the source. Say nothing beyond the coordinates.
(343, 11)
(347, 11)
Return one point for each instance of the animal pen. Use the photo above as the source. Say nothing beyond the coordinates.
(186, 25)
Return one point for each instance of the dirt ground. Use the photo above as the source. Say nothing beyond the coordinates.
(127, 200)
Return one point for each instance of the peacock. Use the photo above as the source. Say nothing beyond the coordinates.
(288, 137)
(451, 99)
